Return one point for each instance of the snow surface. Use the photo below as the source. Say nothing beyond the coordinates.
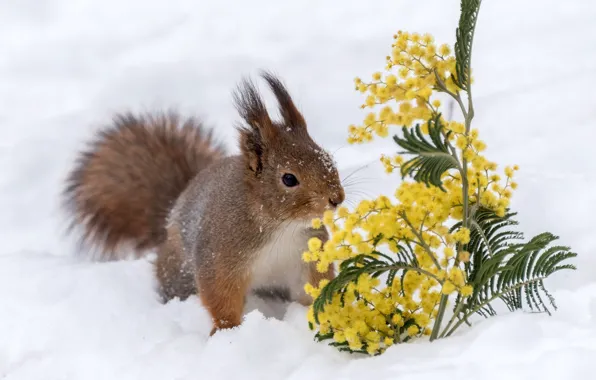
(65, 65)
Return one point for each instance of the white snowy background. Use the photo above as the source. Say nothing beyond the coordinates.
(66, 65)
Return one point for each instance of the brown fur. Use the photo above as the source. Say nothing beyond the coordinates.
(232, 228)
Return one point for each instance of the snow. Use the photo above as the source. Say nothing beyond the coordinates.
(65, 65)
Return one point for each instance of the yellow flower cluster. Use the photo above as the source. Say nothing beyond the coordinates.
(422, 257)
(371, 314)
(416, 68)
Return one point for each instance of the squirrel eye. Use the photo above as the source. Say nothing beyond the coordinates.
(289, 180)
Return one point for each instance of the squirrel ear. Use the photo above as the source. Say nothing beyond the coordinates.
(251, 108)
(252, 149)
(288, 110)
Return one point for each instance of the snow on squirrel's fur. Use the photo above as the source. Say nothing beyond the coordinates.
(65, 318)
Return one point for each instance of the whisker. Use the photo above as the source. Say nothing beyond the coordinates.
(363, 193)
(348, 180)
(341, 147)
(358, 169)
(357, 182)
(350, 202)
(358, 187)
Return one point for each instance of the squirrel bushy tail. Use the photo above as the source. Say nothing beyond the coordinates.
(124, 184)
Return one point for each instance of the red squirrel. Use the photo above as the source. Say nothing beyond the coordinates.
(222, 225)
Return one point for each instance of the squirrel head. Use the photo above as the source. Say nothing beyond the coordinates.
(289, 175)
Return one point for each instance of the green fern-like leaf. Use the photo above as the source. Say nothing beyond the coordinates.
(431, 158)
(487, 237)
(502, 268)
(463, 44)
(519, 274)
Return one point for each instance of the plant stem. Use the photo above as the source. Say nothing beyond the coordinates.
(488, 301)
(465, 223)
(422, 242)
(443, 87)
(466, 201)
(468, 115)
(419, 270)
(440, 313)
(484, 238)
(456, 312)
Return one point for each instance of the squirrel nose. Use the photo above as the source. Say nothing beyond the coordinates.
(337, 199)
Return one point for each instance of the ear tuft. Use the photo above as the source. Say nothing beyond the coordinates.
(251, 108)
(288, 110)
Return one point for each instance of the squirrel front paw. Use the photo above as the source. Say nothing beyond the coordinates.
(224, 302)
(224, 324)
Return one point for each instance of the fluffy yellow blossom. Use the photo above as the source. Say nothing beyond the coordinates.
(462, 235)
(464, 256)
(444, 50)
(413, 330)
(466, 290)
(314, 244)
(509, 171)
(317, 223)
(448, 287)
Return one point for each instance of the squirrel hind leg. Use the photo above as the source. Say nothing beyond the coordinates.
(175, 276)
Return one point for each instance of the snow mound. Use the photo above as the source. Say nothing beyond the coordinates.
(68, 319)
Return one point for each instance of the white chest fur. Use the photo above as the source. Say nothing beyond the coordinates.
(279, 262)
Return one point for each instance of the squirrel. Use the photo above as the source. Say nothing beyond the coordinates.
(222, 225)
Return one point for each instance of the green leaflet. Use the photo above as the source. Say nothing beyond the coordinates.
(431, 158)
(464, 39)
